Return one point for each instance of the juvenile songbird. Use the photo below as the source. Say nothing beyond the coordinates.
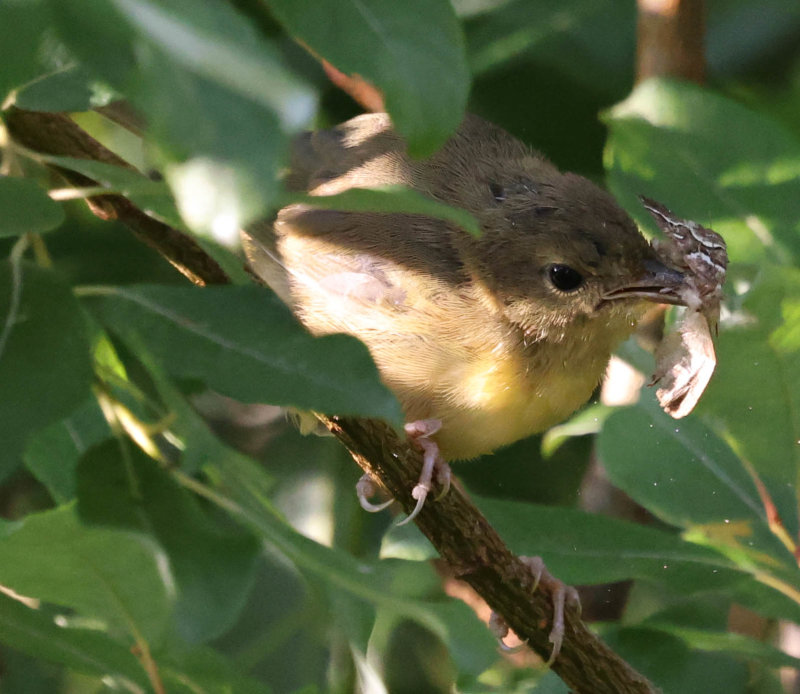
(484, 340)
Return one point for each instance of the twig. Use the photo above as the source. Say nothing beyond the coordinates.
(478, 556)
(362, 92)
(56, 134)
(670, 40)
(457, 529)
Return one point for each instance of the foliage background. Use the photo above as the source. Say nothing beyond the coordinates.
(154, 553)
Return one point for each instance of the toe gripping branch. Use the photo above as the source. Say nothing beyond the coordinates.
(562, 596)
(419, 432)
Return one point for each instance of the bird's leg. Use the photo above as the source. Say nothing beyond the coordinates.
(562, 595)
(420, 432)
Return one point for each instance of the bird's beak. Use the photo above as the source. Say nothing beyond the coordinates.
(658, 283)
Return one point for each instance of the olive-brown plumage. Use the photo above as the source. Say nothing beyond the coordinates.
(499, 336)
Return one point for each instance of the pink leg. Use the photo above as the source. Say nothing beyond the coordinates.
(561, 594)
(421, 431)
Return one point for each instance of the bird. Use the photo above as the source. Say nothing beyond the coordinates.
(484, 339)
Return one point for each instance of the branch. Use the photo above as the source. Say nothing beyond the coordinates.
(56, 134)
(362, 92)
(670, 40)
(455, 527)
(477, 555)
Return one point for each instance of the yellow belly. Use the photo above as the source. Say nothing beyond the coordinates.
(494, 398)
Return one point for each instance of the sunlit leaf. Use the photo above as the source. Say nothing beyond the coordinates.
(708, 159)
(109, 575)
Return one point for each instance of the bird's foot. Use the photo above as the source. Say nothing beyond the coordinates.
(365, 488)
(562, 595)
(420, 432)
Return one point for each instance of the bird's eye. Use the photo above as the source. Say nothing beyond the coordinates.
(564, 278)
(497, 191)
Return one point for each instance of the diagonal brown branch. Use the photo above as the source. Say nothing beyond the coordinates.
(56, 134)
(456, 528)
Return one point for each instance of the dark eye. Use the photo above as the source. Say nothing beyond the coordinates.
(564, 277)
(497, 191)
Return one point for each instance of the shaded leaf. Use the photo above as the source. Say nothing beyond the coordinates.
(243, 342)
(213, 568)
(755, 394)
(696, 482)
(727, 642)
(192, 69)
(68, 89)
(52, 454)
(83, 650)
(412, 51)
(587, 549)
(571, 37)
(402, 589)
(22, 28)
(26, 207)
(152, 197)
(673, 667)
(390, 199)
(45, 365)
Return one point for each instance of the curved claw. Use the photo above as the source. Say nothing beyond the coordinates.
(443, 475)
(420, 493)
(366, 487)
(499, 628)
(561, 594)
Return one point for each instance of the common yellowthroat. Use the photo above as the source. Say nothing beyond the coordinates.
(483, 340)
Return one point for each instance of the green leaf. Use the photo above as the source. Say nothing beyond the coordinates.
(412, 51)
(587, 549)
(567, 36)
(45, 365)
(388, 199)
(709, 159)
(243, 342)
(213, 568)
(755, 393)
(67, 89)
(403, 589)
(91, 652)
(673, 667)
(726, 642)
(212, 40)
(152, 197)
(697, 483)
(22, 27)
(589, 420)
(26, 207)
(192, 69)
(205, 670)
(109, 575)
(52, 454)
